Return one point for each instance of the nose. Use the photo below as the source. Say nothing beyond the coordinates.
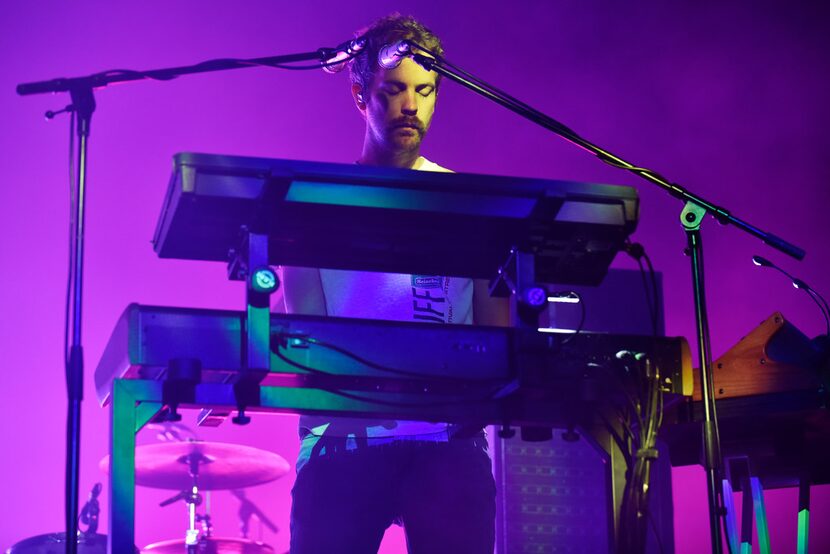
(410, 103)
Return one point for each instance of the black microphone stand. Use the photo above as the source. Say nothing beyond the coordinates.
(80, 90)
(248, 509)
(694, 210)
(83, 103)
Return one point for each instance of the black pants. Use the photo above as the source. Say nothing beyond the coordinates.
(442, 492)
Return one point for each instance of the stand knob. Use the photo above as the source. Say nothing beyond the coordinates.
(241, 418)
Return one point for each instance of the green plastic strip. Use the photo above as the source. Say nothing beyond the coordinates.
(803, 530)
(731, 517)
(760, 516)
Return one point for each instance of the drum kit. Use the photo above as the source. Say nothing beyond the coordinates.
(190, 467)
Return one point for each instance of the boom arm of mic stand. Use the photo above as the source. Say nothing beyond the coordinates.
(543, 120)
(99, 80)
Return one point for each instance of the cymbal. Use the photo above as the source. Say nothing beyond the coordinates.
(55, 543)
(216, 465)
(210, 545)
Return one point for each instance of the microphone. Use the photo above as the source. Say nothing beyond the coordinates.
(627, 354)
(799, 284)
(762, 262)
(391, 55)
(343, 54)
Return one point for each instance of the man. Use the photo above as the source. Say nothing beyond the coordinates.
(356, 477)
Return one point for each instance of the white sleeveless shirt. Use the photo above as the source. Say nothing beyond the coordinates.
(393, 297)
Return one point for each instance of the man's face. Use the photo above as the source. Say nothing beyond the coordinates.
(399, 106)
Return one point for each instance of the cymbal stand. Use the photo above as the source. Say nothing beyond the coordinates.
(207, 523)
(191, 537)
(193, 499)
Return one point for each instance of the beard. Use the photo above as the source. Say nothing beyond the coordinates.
(404, 134)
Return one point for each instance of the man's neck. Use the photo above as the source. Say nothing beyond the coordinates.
(386, 158)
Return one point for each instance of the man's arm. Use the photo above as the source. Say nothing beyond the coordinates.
(303, 291)
(488, 310)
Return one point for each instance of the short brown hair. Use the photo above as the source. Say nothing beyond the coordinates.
(384, 31)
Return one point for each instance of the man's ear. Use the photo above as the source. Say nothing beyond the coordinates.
(359, 98)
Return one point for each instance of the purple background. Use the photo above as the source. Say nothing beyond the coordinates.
(728, 98)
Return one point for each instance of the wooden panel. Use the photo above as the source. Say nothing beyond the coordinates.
(773, 357)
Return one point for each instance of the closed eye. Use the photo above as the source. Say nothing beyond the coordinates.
(393, 89)
(426, 90)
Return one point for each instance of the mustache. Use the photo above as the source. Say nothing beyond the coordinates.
(407, 122)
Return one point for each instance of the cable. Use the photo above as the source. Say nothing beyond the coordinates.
(634, 509)
(581, 324)
(631, 402)
(361, 398)
(656, 531)
(652, 312)
(298, 365)
(658, 307)
(636, 251)
(826, 306)
(164, 76)
(622, 443)
(374, 365)
(68, 489)
(825, 312)
(801, 285)
(71, 273)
